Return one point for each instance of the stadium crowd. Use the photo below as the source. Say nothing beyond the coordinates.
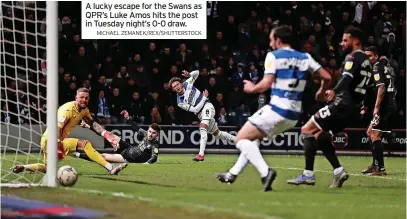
(134, 74)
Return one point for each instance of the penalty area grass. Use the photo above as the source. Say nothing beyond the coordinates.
(176, 187)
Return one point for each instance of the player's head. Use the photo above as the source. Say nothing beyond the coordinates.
(153, 132)
(352, 39)
(371, 52)
(82, 97)
(281, 37)
(176, 85)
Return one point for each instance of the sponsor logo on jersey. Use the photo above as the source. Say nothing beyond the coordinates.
(348, 65)
(269, 63)
(191, 96)
(377, 77)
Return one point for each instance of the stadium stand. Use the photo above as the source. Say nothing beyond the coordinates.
(133, 74)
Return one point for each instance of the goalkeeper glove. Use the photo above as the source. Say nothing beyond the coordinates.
(113, 139)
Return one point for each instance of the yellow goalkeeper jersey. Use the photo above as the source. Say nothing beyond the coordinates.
(68, 117)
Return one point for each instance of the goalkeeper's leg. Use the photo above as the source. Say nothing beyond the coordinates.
(114, 158)
(95, 156)
(36, 167)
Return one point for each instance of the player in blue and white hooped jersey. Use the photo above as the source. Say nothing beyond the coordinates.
(286, 74)
(192, 100)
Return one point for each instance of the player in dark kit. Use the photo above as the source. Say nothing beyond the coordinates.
(145, 152)
(384, 108)
(344, 102)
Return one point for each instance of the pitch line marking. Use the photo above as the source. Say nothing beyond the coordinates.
(352, 174)
(178, 203)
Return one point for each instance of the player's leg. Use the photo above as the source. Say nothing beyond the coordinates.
(372, 167)
(114, 158)
(380, 127)
(203, 131)
(377, 147)
(35, 167)
(241, 162)
(263, 123)
(71, 145)
(208, 112)
(215, 131)
(308, 131)
(315, 132)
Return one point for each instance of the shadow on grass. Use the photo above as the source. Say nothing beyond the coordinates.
(128, 181)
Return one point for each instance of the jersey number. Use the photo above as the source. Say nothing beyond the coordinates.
(324, 112)
(361, 87)
(296, 82)
(207, 112)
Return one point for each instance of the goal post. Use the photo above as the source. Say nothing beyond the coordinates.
(29, 90)
(52, 91)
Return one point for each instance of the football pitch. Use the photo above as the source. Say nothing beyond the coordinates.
(176, 187)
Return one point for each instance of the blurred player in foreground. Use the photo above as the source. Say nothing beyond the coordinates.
(286, 73)
(344, 102)
(384, 108)
(69, 115)
(145, 152)
(192, 100)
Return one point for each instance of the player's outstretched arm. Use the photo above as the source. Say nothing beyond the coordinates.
(192, 76)
(194, 109)
(133, 125)
(326, 79)
(113, 139)
(263, 85)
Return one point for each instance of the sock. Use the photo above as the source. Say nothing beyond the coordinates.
(254, 156)
(373, 154)
(96, 157)
(226, 136)
(240, 164)
(324, 143)
(202, 142)
(310, 150)
(378, 147)
(308, 173)
(36, 167)
(338, 170)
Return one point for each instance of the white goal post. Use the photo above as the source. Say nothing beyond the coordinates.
(29, 90)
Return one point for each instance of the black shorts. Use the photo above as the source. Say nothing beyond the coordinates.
(384, 122)
(128, 156)
(335, 116)
(126, 150)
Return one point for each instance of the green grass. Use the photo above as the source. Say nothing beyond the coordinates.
(178, 188)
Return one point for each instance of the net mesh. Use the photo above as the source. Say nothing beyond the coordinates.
(23, 87)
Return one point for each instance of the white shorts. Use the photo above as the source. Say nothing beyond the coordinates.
(207, 116)
(270, 122)
(208, 112)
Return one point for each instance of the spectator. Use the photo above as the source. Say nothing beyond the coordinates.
(117, 103)
(103, 111)
(154, 117)
(238, 41)
(171, 117)
(221, 118)
(136, 108)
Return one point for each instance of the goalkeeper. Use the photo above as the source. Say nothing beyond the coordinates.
(70, 115)
(145, 152)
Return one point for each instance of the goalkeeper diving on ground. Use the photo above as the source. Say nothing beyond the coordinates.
(145, 152)
(70, 115)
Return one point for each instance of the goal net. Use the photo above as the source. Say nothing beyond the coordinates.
(26, 89)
